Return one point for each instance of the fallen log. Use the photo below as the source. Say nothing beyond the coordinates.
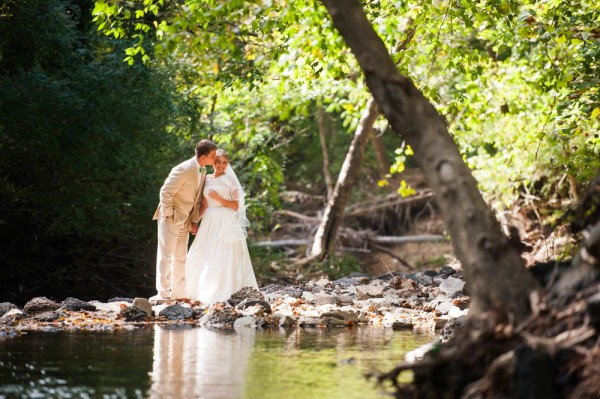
(374, 239)
(367, 208)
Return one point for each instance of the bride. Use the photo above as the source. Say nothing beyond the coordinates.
(218, 263)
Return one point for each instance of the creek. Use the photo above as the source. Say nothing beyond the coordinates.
(181, 362)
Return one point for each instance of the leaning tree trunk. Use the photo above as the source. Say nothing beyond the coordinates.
(326, 163)
(494, 270)
(324, 242)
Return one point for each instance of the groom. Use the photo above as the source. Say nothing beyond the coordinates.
(177, 215)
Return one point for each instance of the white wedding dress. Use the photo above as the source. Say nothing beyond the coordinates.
(218, 262)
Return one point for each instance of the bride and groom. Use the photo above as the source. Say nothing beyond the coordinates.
(218, 262)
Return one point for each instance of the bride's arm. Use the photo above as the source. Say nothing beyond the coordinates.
(232, 204)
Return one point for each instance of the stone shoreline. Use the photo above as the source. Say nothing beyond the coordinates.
(423, 301)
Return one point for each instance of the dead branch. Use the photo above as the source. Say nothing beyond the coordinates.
(407, 239)
(296, 215)
(387, 202)
(282, 243)
(371, 239)
(390, 253)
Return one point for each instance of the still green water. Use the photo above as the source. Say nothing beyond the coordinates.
(186, 363)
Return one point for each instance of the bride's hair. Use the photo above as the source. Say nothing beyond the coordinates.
(237, 193)
(222, 153)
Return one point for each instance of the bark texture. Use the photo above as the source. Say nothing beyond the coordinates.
(495, 271)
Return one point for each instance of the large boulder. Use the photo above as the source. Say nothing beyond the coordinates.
(5, 307)
(75, 305)
(177, 312)
(40, 304)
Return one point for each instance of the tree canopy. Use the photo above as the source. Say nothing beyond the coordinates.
(517, 81)
(104, 96)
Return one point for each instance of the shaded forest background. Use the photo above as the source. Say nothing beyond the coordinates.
(87, 139)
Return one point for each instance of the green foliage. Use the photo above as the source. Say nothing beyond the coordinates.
(84, 154)
(517, 82)
(268, 262)
(337, 267)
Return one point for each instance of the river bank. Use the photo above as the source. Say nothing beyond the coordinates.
(423, 301)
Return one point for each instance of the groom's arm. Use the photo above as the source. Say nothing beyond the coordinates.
(201, 208)
(171, 187)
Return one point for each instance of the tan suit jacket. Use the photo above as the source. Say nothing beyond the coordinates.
(181, 194)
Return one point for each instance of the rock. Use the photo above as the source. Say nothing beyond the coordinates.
(421, 279)
(48, 316)
(389, 276)
(441, 304)
(13, 315)
(294, 292)
(255, 302)
(408, 293)
(290, 300)
(120, 299)
(345, 281)
(369, 291)
(133, 313)
(245, 322)
(456, 312)
(347, 317)
(5, 307)
(144, 304)
(220, 318)
(75, 305)
(308, 296)
(325, 299)
(271, 288)
(407, 283)
(359, 275)
(401, 325)
(311, 322)
(439, 323)
(322, 282)
(243, 294)
(452, 286)
(176, 312)
(39, 305)
(345, 300)
(446, 271)
(429, 273)
(418, 353)
(392, 299)
(451, 327)
(396, 282)
(284, 320)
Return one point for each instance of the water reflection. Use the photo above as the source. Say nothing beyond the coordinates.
(76, 365)
(185, 363)
(200, 363)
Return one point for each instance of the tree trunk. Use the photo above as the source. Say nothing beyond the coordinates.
(495, 272)
(326, 163)
(324, 242)
(383, 162)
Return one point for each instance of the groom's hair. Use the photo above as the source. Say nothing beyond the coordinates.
(204, 147)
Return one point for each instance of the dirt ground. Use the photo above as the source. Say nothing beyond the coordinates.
(420, 255)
